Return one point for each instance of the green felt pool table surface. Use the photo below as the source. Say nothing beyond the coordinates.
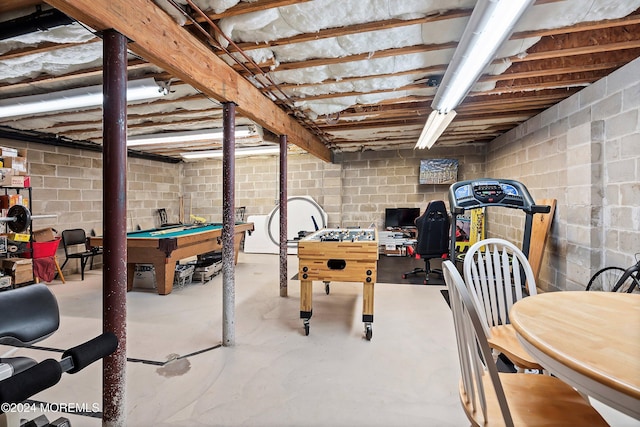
(175, 231)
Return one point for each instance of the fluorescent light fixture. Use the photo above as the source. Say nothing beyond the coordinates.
(436, 124)
(187, 136)
(490, 24)
(71, 99)
(248, 151)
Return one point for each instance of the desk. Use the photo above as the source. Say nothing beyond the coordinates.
(163, 247)
(590, 340)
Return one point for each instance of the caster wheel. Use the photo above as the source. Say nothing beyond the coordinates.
(327, 289)
(306, 328)
(368, 332)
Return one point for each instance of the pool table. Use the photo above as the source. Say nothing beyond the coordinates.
(164, 246)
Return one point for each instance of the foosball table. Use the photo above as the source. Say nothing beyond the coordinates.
(343, 255)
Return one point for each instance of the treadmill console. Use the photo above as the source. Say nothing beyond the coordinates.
(479, 193)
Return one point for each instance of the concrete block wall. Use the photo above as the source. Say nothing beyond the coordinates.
(354, 190)
(257, 186)
(584, 152)
(375, 180)
(67, 182)
(152, 185)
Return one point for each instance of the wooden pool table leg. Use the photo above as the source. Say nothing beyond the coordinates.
(131, 271)
(237, 241)
(165, 272)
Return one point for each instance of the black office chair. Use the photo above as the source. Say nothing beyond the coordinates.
(70, 240)
(433, 237)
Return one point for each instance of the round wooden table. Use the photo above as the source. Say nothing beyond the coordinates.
(591, 340)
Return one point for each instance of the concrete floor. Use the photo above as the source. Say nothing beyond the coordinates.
(407, 375)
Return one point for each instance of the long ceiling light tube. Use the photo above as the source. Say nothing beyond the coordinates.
(436, 124)
(248, 151)
(490, 24)
(187, 136)
(78, 98)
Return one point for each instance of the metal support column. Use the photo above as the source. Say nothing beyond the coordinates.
(283, 216)
(114, 199)
(228, 223)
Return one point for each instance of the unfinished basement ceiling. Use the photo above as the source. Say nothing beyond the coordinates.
(356, 74)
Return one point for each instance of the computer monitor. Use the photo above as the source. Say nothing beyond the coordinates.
(400, 217)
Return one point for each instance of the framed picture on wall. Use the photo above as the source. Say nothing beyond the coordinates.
(438, 171)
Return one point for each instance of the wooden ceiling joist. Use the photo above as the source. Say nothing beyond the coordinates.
(328, 33)
(159, 39)
(254, 6)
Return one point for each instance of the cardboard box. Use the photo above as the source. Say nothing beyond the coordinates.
(395, 250)
(204, 274)
(144, 276)
(22, 181)
(5, 282)
(12, 152)
(5, 177)
(8, 152)
(20, 269)
(44, 235)
(18, 164)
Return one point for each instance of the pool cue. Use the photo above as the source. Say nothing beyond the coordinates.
(167, 231)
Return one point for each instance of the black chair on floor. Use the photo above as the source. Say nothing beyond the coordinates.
(71, 239)
(433, 237)
(164, 219)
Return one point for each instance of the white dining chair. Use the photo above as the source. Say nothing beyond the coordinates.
(490, 398)
(495, 271)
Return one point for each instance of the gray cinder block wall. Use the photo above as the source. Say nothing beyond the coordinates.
(375, 180)
(257, 187)
(67, 182)
(354, 190)
(584, 152)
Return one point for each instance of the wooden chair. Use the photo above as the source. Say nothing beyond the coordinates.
(71, 239)
(490, 398)
(493, 272)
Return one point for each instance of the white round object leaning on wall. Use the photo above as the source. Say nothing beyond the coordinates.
(301, 213)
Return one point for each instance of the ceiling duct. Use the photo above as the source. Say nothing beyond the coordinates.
(40, 20)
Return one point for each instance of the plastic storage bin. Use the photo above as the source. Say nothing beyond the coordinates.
(43, 249)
